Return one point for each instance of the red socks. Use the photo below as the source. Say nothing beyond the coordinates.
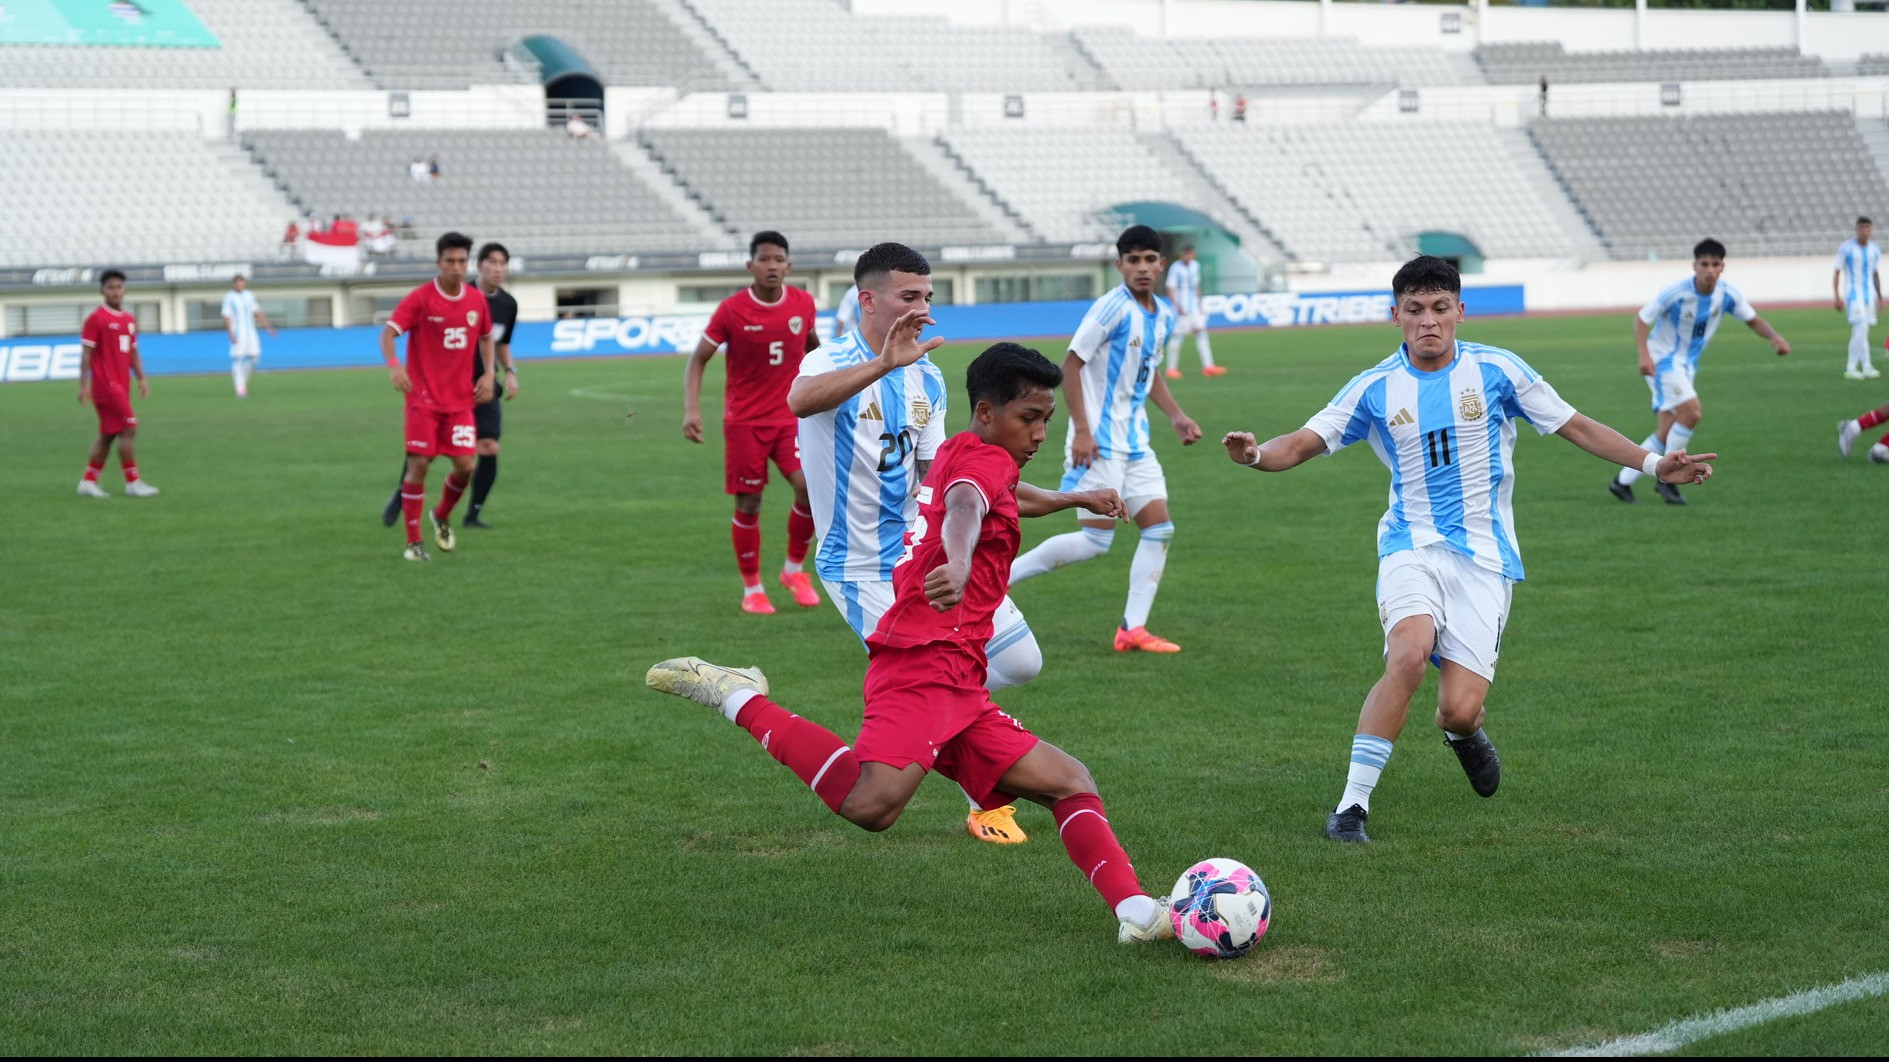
(815, 754)
(1871, 419)
(412, 500)
(92, 470)
(131, 471)
(747, 537)
(449, 496)
(1093, 848)
(799, 534)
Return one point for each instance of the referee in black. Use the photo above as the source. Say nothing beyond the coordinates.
(494, 266)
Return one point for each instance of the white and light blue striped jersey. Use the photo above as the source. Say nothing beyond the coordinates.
(1683, 321)
(1120, 346)
(1858, 262)
(240, 307)
(1184, 285)
(846, 317)
(859, 459)
(1448, 438)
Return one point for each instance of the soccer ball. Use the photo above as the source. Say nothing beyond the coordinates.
(1879, 454)
(1220, 908)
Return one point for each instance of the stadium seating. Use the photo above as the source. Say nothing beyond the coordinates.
(1152, 63)
(94, 198)
(1763, 184)
(1061, 180)
(1527, 62)
(417, 44)
(821, 187)
(264, 44)
(539, 191)
(1344, 193)
(816, 46)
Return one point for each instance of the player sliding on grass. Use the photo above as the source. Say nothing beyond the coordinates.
(1441, 413)
(442, 320)
(926, 706)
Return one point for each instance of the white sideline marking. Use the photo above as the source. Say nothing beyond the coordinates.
(587, 392)
(1680, 1033)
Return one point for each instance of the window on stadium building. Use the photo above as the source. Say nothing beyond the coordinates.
(315, 311)
(587, 302)
(1039, 287)
(66, 318)
(705, 294)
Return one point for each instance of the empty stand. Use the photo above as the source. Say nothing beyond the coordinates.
(415, 44)
(90, 197)
(1151, 63)
(1363, 191)
(1760, 183)
(820, 187)
(1061, 181)
(817, 46)
(1526, 62)
(539, 191)
(264, 44)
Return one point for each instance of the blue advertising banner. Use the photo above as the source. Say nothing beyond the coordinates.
(340, 348)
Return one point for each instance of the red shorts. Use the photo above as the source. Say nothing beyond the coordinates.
(445, 432)
(749, 448)
(927, 705)
(114, 412)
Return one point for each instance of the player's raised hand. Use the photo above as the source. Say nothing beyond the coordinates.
(1189, 431)
(944, 587)
(1682, 467)
(1104, 503)
(399, 377)
(1242, 447)
(902, 347)
(482, 391)
(692, 427)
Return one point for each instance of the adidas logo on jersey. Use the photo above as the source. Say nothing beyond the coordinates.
(1402, 418)
(872, 412)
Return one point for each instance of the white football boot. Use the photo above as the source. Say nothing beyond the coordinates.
(1847, 431)
(1162, 928)
(90, 489)
(704, 683)
(140, 489)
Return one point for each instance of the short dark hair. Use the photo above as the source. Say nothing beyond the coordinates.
(1004, 371)
(883, 259)
(1865, 221)
(1137, 238)
(451, 241)
(1708, 248)
(488, 250)
(767, 236)
(110, 275)
(1186, 247)
(1426, 272)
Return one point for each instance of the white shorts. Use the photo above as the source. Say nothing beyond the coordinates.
(1189, 323)
(865, 603)
(1468, 603)
(1861, 311)
(246, 350)
(1671, 388)
(1138, 480)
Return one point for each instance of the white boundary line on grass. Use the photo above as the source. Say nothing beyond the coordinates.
(1680, 1033)
(586, 392)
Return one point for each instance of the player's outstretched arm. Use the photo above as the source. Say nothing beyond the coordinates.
(1611, 446)
(1035, 501)
(692, 389)
(964, 512)
(817, 394)
(1276, 454)
(1763, 328)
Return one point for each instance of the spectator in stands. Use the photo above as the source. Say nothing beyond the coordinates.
(1543, 95)
(290, 237)
(1213, 105)
(432, 168)
(418, 171)
(578, 128)
(1239, 107)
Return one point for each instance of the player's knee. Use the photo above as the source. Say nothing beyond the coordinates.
(1073, 779)
(747, 504)
(1015, 663)
(1405, 662)
(1096, 541)
(1161, 532)
(871, 812)
(1459, 716)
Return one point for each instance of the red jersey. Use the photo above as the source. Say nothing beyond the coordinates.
(442, 333)
(112, 335)
(765, 344)
(964, 458)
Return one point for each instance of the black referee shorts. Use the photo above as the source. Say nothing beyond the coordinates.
(488, 416)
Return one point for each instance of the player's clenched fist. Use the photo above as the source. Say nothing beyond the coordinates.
(1105, 503)
(944, 587)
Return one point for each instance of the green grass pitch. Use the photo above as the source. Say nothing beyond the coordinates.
(267, 788)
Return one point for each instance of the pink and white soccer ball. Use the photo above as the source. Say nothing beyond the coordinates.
(1220, 908)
